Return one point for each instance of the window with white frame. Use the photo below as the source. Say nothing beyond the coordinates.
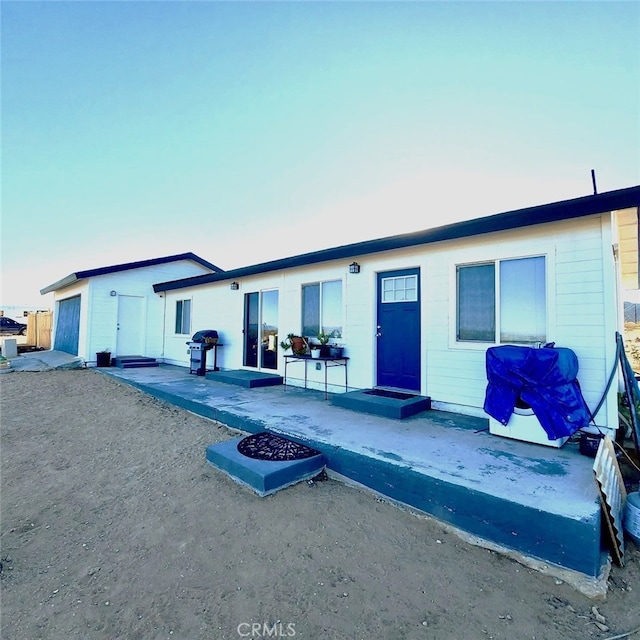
(183, 316)
(400, 289)
(502, 301)
(322, 309)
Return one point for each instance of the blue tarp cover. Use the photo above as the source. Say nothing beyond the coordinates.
(545, 379)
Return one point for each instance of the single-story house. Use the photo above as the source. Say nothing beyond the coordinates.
(418, 315)
(114, 308)
(414, 312)
(418, 311)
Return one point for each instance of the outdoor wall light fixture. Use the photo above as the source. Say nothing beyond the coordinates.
(354, 267)
(234, 286)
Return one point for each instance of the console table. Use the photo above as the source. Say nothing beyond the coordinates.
(328, 363)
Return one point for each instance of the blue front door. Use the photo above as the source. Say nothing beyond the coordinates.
(398, 333)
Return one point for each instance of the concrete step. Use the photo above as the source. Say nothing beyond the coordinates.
(133, 362)
(380, 402)
(247, 379)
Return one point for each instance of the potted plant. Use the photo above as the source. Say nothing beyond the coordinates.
(103, 358)
(335, 351)
(316, 350)
(297, 344)
(324, 339)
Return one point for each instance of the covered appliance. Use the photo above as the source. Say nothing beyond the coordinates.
(201, 342)
(533, 394)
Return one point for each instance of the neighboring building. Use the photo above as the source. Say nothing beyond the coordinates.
(115, 308)
(17, 312)
(415, 312)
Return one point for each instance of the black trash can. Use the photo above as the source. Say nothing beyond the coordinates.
(103, 359)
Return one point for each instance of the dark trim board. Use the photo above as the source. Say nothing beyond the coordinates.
(117, 268)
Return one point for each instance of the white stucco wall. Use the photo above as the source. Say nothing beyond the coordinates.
(99, 309)
(581, 309)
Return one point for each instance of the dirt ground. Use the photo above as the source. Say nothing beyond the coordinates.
(114, 526)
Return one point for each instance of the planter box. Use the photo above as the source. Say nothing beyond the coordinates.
(103, 359)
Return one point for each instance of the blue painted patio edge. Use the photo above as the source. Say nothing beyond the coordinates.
(569, 543)
(542, 535)
(225, 417)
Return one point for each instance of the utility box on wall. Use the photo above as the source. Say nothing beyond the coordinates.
(9, 347)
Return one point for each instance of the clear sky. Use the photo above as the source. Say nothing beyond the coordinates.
(250, 131)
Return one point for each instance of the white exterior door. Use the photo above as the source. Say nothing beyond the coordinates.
(130, 341)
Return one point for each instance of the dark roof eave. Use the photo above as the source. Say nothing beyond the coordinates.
(100, 271)
(146, 263)
(60, 284)
(554, 212)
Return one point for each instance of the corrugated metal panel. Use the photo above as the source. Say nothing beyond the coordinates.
(632, 312)
(613, 495)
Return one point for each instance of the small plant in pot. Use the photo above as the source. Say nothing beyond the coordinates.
(103, 358)
(324, 347)
(336, 351)
(297, 344)
(316, 350)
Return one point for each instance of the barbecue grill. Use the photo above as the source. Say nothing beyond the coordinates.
(200, 343)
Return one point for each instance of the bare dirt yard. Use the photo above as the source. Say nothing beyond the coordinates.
(115, 527)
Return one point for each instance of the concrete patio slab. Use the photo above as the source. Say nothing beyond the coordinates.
(46, 361)
(537, 501)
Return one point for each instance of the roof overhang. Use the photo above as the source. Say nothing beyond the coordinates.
(564, 210)
(61, 284)
(627, 224)
(116, 268)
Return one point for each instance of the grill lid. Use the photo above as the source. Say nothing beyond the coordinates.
(205, 335)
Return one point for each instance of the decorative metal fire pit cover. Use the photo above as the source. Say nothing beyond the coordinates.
(268, 446)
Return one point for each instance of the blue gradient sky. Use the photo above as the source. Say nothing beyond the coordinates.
(251, 131)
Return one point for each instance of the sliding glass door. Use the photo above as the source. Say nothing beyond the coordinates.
(261, 329)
